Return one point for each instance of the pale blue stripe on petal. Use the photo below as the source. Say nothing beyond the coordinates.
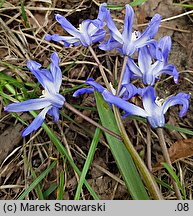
(128, 23)
(150, 31)
(126, 106)
(56, 71)
(32, 104)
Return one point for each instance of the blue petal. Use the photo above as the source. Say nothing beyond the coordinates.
(102, 14)
(154, 111)
(36, 123)
(144, 60)
(56, 99)
(170, 70)
(67, 26)
(34, 66)
(32, 104)
(126, 76)
(113, 30)
(181, 99)
(54, 112)
(130, 91)
(109, 44)
(85, 37)
(149, 98)
(145, 65)
(67, 40)
(149, 32)
(164, 46)
(133, 68)
(96, 85)
(126, 106)
(98, 36)
(43, 75)
(56, 71)
(83, 91)
(128, 22)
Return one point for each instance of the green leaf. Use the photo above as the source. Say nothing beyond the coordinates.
(88, 162)
(37, 188)
(137, 2)
(50, 190)
(184, 5)
(23, 13)
(179, 129)
(120, 7)
(115, 7)
(10, 80)
(175, 177)
(120, 153)
(61, 186)
(37, 181)
(1, 3)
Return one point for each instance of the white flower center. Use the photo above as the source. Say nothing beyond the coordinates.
(44, 94)
(134, 35)
(159, 101)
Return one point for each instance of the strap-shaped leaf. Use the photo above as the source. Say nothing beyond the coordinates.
(121, 155)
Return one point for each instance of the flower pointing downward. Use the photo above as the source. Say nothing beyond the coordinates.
(50, 101)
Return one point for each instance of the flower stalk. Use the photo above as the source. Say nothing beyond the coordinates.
(122, 74)
(100, 67)
(71, 108)
(167, 159)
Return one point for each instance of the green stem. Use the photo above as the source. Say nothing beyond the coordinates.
(147, 177)
(167, 159)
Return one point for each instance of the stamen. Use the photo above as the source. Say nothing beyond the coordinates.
(159, 101)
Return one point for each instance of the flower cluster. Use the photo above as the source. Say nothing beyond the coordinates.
(152, 62)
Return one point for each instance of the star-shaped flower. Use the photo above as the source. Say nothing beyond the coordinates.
(90, 31)
(50, 101)
(128, 42)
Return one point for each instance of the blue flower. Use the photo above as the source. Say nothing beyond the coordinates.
(50, 101)
(128, 42)
(90, 31)
(154, 109)
(148, 68)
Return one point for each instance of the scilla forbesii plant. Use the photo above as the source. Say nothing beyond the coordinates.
(151, 64)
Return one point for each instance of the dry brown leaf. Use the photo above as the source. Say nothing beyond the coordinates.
(179, 150)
